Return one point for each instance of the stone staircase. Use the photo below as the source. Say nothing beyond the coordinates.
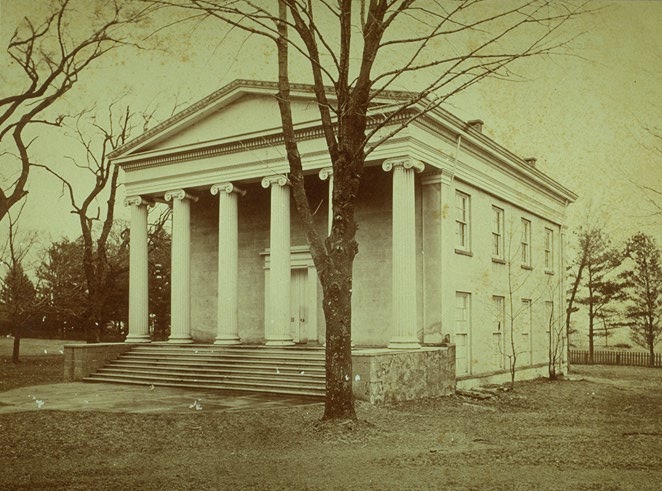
(287, 370)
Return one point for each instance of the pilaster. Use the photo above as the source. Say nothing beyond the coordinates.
(180, 284)
(404, 252)
(228, 262)
(277, 330)
(138, 272)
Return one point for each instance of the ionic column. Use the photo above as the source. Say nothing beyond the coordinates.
(404, 252)
(327, 173)
(277, 330)
(180, 280)
(138, 272)
(228, 262)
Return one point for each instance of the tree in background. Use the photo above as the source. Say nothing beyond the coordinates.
(100, 267)
(17, 292)
(63, 287)
(47, 60)
(642, 283)
(355, 52)
(159, 248)
(592, 285)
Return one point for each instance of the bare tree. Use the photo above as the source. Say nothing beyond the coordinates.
(522, 294)
(101, 270)
(349, 48)
(50, 56)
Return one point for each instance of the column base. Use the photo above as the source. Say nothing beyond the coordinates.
(138, 338)
(180, 340)
(404, 343)
(279, 342)
(228, 340)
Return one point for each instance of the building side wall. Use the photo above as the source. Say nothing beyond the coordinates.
(483, 278)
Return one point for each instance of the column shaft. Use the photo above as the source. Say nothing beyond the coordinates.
(228, 263)
(138, 273)
(447, 252)
(180, 280)
(404, 253)
(277, 330)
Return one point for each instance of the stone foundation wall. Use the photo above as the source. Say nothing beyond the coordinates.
(503, 376)
(80, 360)
(382, 375)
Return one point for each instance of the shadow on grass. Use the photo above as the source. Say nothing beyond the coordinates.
(32, 370)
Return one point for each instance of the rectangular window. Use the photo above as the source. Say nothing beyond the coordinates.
(525, 327)
(526, 242)
(549, 316)
(498, 331)
(462, 221)
(549, 250)
(497, 233)
(462, 331)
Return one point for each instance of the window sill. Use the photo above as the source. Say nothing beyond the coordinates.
(498, 260)
(463, 252)
(527, 267)
(551, 273)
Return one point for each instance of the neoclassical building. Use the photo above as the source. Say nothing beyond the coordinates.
(459, 239)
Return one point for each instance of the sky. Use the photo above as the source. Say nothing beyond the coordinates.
(583, 116)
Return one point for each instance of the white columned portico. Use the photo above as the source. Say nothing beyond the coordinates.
(180, 281)
(277, 330)
(327, 173)
(228, 262)
(404, 252)
(138, 272)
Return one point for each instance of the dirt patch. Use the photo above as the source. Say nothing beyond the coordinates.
(596, 432)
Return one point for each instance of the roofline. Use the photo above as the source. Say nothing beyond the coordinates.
(239, 86)
(245, 86)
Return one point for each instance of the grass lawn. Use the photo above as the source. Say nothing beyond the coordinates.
(601, 430)
(41, 362)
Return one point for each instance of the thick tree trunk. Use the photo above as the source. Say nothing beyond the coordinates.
(651, 351)
(337, 287)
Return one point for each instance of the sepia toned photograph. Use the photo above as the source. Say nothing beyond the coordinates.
(330, 245)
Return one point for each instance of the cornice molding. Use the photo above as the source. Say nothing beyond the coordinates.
(227, 187)
(180, 194)
(236, 146)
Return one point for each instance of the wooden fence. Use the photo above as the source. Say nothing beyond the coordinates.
(625, 358)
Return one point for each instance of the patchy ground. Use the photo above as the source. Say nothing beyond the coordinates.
(41, 362)
(601, 430)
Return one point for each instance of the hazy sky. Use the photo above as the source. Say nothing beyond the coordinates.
(582, 116)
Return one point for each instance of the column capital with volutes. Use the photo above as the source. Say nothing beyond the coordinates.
(179, 194)
(279, 179)
(228, 188)
(404, 162)
(137, 201)
(326, 173)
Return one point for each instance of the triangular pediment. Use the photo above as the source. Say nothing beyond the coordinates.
(243, 109)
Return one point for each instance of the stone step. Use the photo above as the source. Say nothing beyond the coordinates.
(260, 386)
(246, 389)
(304, 378)
(219, 357)
(291, 370)
(314, 370)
